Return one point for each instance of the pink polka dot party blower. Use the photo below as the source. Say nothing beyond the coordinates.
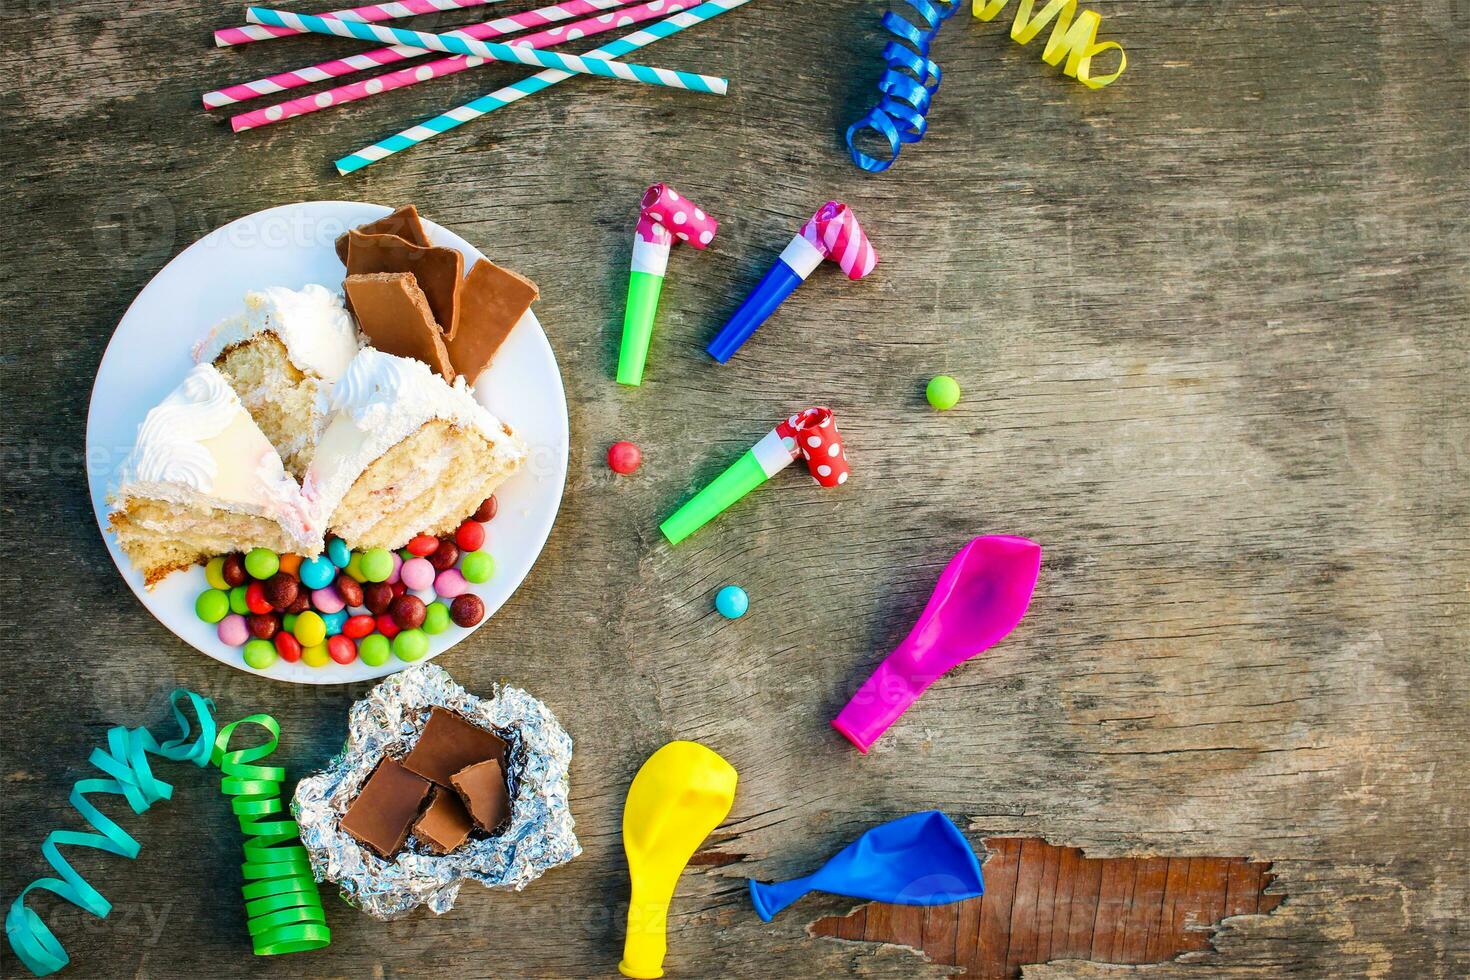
(810, 434)
(981, 596)
(832, 233)
(665, 218)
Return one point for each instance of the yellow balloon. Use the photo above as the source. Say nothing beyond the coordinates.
(681, 794)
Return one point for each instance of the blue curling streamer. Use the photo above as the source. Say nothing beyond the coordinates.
(125, 763)
(908, 83)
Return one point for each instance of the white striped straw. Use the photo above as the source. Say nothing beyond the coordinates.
(231, 36)
(645, 74)
(503, 97)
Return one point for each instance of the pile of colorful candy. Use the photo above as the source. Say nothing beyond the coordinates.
(345, 604)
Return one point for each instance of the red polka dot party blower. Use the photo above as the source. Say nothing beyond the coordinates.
(810, 434)
(666, 218)
(832, 233)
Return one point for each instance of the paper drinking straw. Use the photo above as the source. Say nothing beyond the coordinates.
(540, 81)
(343, 94)
(393, 54)
(372, 12)
(644, 74)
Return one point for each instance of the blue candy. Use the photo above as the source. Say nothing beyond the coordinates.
(338, 553)
(318, 573)
(334, 621)
(732, 602)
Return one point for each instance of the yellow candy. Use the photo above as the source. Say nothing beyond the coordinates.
(310, 630)
(214, 573)
(315, 656)
(1076, 40)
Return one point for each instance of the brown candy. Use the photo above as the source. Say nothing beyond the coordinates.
(377, 597)
(300, 604)
(233, 569)
(281, 590)
(467, 610)
(408, 611)
(444, 556)
(486, 511)
(349, 589)
(263, 626)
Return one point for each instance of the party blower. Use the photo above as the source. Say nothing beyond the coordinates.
(665, 217)
(920, 859)
(810, 434)
(681, 794)
(980, 598)
(832, 233)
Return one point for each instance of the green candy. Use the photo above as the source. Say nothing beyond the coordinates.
(262, 563)
(288, 622)
(212, 605)
(477, 566)
(237, 601)
(410, 645)
(373, 649)
(260, 654)
(943, 392)
(354, 568)
(436, 618)
(377, 564)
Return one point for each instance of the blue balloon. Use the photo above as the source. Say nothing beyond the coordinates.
(920, 859)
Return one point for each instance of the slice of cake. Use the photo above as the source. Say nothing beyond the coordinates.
(278, 354)
(404, 453)
(203, 480)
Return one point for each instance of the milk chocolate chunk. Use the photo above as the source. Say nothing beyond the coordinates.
(491, 302)
(485, 794)
(438, 270)
(393, 312)
(449, 744)
(386, 808)
(404, 223)
(445, 825)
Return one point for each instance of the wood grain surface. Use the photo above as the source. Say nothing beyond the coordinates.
(1213, 327)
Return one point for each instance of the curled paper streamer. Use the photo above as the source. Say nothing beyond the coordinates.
(125, 764)
(1077, 40)
(907, 85)
(282, 904)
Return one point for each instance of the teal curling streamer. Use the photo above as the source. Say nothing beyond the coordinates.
(907, 85)
(125, 763)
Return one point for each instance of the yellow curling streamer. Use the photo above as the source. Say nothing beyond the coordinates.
(1076, 40)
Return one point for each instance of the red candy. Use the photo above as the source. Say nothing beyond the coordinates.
(288, 647)
(349, 590)
(624, 457)
(256, 600)
(341, 649)
(398, 588)
(486, 511)
(358, 626)
(423, 545)
(386, 626)
(470, 536)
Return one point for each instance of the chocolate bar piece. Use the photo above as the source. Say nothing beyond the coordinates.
(403, 222)
(445, 825)
(439, 271)
(491, 302)
(386, 808)
(393, 312)
(449, 744)
(485, 794)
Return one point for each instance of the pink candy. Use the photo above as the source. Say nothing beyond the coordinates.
(397, 567)
(450, 583)
(327, 600)
(233, 631)
(417, 574)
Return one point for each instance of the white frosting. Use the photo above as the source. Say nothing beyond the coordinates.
(312, 323)
(200, 446)
(379, 401)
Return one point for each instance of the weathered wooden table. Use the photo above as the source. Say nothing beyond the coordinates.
(1212, 329)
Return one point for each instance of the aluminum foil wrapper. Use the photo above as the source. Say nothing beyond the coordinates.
(388, 722)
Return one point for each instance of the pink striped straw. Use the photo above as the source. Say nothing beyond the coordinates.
(399, 52)
(370, 14)
(448, 66)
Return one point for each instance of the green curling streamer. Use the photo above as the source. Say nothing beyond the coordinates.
(282, 903)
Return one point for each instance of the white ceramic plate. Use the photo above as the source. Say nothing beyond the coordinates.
(150, 353)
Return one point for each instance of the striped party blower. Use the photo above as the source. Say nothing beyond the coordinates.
(379, 57)
(503, 97)
(626, 71)
(343, 94)
(231, 36)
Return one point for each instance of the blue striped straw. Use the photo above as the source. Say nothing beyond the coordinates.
(503, 97)
(450, 44)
